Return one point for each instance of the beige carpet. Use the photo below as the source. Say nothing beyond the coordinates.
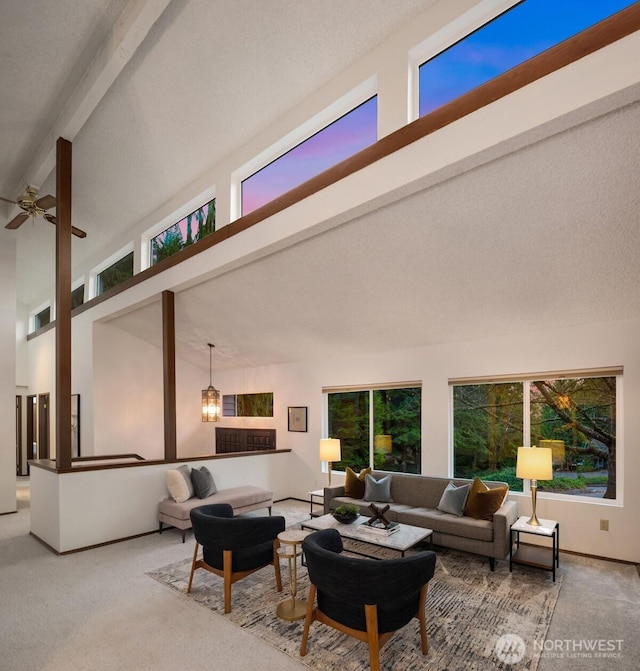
(469, 609)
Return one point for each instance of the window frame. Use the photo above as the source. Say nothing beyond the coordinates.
(526, 379)
(348, 102)
(106, 264)
(370, 388)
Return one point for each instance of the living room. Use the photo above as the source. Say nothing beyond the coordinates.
(388, 276)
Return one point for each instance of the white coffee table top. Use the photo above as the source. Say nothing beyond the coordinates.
(406, 537)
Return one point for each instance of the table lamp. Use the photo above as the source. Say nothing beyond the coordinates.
(534, 463)
(330, 451)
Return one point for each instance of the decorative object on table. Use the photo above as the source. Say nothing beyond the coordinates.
(330, 452)
(534, 463)
(211, 410)
(378, 515)
(347, 513)
(380, 528)
(297, 418)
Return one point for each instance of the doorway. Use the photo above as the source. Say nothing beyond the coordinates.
(43, 426)
(32, 423)
(19, 459)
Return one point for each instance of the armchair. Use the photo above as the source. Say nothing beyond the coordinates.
(369, 599)
(234, 547)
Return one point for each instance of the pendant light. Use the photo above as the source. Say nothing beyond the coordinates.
(210, 398)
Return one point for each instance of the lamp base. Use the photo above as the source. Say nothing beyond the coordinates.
(533, 520)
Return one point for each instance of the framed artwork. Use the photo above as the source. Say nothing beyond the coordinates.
(298, 418)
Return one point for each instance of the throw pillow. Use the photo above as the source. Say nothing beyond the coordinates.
(203, 483)
(354, 483)
(483, 502)
(377, 490)
(453, 499)
(177, 486)
(186, 474)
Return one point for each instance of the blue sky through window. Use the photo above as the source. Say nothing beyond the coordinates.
(524, 31)
(344, 137)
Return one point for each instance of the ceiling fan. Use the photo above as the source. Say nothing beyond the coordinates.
(34, 207)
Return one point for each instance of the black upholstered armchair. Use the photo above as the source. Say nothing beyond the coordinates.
(366, 598)
(234, 547)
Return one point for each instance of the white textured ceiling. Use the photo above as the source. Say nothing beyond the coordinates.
(543, 236)
(208, 76)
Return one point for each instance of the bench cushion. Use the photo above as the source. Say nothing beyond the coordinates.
(236, 497)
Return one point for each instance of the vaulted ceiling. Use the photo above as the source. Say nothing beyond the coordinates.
(542, 233)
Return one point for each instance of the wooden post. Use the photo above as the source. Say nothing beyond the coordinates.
(63, 304)
(169, 373)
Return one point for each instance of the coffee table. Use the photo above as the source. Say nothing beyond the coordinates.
(402, 540)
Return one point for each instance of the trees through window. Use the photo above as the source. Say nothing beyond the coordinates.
(377, 427)
(575, 417)
(182, 234)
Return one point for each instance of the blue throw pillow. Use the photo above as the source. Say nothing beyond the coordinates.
(454, 499)
(377, 490)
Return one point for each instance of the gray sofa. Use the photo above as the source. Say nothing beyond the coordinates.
(415, 502)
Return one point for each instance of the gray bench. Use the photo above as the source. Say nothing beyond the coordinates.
(241, 499)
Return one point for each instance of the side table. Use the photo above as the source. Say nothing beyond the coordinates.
(543, 557)
(316, 494)
(291, 548)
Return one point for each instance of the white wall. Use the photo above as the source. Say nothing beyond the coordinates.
(77, 510)
(7, 373)
(594, 346)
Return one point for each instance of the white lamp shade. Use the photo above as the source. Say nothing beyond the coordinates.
(330, 449)
(534, 463)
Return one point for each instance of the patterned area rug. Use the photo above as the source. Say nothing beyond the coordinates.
(474, 617)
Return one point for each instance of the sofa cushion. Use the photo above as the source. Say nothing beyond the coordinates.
(446, 523)
(203, 483)
(354, 483)
(179, 483)
(453, 499)
(377, 490)
(483, 501)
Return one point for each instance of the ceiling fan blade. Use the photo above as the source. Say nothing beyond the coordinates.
(76, 231)
(46, 202)
(17, 221)
(6, 200)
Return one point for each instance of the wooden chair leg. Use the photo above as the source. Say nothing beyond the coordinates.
(422, 618)
(193, 567)
(371, 618)
(227, 563)
(308, 619)
(276, 564)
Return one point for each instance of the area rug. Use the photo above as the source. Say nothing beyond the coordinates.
(476, 619)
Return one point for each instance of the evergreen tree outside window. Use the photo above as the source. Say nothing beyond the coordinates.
(182, 234)
(575, 417)
(77, 297)
(380, 428)
(115, 274)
